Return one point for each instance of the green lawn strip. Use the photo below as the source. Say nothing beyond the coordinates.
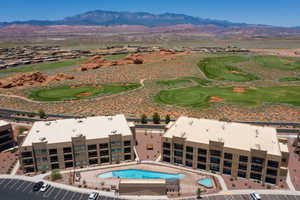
(62, 93)
(288, 79)
(277, 62)
(199, 96)
(182, 81)
(116, 57)
(43, 66)
(224, 69)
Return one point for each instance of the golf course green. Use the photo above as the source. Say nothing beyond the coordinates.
(63, 93)
(277, 62)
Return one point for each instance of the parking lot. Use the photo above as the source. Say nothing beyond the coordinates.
(245, 196)
(12, 189)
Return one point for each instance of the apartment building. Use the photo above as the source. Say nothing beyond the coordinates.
(6, 136)
(236, 149)
(80, 142)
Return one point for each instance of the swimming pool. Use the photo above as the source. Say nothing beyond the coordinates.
(139, 174)
(206, 182)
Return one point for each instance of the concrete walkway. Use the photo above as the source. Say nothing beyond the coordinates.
(15, 169)
(289, 182)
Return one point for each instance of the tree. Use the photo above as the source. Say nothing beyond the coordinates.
(167, 119)
(144, 119)
(199, 192)
(156, 118)
(42, 114)
(55, 175)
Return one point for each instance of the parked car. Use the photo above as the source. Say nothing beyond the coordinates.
(93, 196)
(255, 196)
(38, 185)
(45, 187)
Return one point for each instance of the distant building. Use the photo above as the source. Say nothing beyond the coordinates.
(235, 149)
(80, 142)
(6, 136)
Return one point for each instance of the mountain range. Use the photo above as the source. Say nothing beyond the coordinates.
(111, 18)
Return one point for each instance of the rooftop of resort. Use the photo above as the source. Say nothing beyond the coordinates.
(59, 131)
(233, 135)
(3, 123)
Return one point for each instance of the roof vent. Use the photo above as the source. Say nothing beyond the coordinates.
(79, 135)
(110, 118)
(48, 123)
(183, 134)
(114, 131)
(223, 127)
(80, 121)
(257, 133)
(42, 139)
(191, 122)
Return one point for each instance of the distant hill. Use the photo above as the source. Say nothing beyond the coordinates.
(111, 18)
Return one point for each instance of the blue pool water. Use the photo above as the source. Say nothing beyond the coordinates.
(206, 182)
(139, 174)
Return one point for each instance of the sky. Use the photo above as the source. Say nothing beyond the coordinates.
(270, 12)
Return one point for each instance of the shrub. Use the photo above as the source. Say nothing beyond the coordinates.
(268, 187)
(144, 119)
(156, 118)
(55, 175)
(167, 119)
(42, 114)
(233, 185)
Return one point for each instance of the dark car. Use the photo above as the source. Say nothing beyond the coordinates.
(37, 186)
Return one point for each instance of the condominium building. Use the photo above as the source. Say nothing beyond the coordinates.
(80, 142)
(6, 136)
(236, 149)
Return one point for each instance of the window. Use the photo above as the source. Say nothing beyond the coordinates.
(243, 159)
(214, 168)
(202, 151)
(28, 162)
(215, 152)
(118, 150)
(55, 166)
(189, 149)
(227, 171)
(67, 149)
(92, 147)
(227, 163)
(118, 143)
(166, 159)
(127, 157)
(93, 161)
(127, 143)
(283, 160)
(178, 153)
(52, 151)
(79, 148)
(256, 168)
(255, 176)
(258, 160)
(166, 152)
(189, 164)
(189, 156)
(53, 159)
(272, 172)
(270, 180)
(201, 166)
(201, 159)
(40, 151)
(166, 145)
(104, 153)
(272, 163)
(103, 146)
(178, 161)
(104, 160)
(92, 154)
(26, 154)
(242, 166)
(127, 150)
(68, 164)
(215, 160)
(178, 146)
(68, 157)
(242, 174)
(228, 156)
(29, 169)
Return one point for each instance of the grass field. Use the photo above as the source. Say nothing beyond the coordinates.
(116, 57)
(44, 66)
(199, 96)
(225, 69)
(73, 93)
(182, 81)
(277, 62)
(288, 79)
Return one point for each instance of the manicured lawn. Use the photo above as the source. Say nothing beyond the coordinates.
(81, 92)
(288, 79)
(225, 69)
(278, 62)
(116, 57)
(43, 66)
(199, 96)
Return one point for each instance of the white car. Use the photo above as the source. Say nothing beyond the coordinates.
(45, 187)
(93, 196)
(255, 196)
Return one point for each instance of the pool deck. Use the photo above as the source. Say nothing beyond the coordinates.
(188, 184)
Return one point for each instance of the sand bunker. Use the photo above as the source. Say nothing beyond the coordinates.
(239, 90)
(215, 99)
(31, 78)
(84, 94)
(237, 72)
